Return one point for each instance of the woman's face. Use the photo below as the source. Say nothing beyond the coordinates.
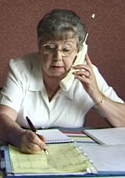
(58, 56)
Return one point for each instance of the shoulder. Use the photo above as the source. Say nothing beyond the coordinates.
(22, 69)
(23, 62)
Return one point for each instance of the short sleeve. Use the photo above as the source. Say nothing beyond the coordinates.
(14, 87)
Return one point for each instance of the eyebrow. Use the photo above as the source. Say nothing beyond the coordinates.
(65, 41)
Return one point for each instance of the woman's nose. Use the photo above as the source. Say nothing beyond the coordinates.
(58, 55)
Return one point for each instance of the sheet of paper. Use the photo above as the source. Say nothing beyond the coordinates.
(108, 136)
(109, 158)
(61, 158)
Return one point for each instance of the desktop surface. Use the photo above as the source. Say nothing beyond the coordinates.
(84, 140)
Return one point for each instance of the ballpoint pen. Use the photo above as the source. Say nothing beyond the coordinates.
(34, 130)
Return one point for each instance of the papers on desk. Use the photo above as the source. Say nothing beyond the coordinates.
(63, 159)
(80, 138)
(67, 159)
(108, 136)
(54, 136)
(109, 156)
(108, 159)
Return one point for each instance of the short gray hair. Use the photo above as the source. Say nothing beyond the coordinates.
(58, 23)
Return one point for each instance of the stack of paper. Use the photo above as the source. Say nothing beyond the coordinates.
(109, 156)
(108, 136)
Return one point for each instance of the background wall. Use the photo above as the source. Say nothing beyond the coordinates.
(19, 18)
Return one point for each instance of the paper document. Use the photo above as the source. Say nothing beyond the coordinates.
(108, 136)
(62, 158)
(107, 158)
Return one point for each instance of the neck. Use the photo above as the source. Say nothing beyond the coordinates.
(51, 85)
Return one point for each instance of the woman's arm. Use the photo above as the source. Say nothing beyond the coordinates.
(112, 107)
(113, 111)
(11, 132)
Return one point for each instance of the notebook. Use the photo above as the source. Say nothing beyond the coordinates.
(108, 136)
(54, 136)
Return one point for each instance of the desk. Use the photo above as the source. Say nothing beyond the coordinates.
(85, 141)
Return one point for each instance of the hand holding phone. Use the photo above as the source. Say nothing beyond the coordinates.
(80, 59)
(66, 82)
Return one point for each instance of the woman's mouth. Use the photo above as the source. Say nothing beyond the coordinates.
(58, 67)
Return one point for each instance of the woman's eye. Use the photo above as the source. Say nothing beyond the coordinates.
(66, 49)
(50, 48)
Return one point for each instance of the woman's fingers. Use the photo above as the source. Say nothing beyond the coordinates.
(85, 70)
(32, 143)
(88, 61)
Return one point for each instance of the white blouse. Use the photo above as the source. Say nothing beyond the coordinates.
(24, 91)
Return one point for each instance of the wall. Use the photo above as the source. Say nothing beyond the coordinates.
(19, 18)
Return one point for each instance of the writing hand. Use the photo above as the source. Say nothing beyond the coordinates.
(31, 143)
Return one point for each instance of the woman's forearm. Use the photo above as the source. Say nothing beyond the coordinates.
(114, 112)
(10, 131)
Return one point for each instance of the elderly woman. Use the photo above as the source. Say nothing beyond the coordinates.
(33, 89)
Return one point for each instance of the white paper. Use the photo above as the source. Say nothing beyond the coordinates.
(106, 157)
(108, 136)
(54, 136)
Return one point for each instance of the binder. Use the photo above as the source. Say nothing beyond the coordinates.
(68, 157)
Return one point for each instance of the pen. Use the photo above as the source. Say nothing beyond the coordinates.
(34, 130)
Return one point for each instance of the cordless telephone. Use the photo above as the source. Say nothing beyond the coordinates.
(66, 82)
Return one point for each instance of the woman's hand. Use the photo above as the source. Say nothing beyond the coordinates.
(31, 143)
(87, 77)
